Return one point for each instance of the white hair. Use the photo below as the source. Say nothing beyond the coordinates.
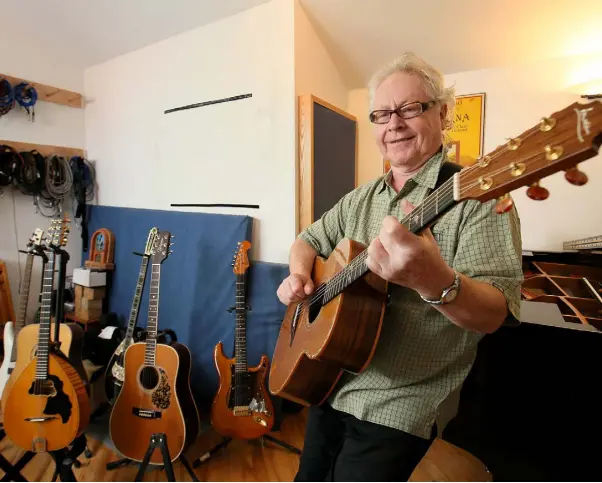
(432, 79)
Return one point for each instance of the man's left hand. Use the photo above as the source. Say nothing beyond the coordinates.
(414, 261)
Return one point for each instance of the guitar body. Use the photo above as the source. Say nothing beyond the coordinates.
(309, 358)
(7, 366)
(65, 408)
(115, 372)
(149, 403)
(260, 419)
(72, 340)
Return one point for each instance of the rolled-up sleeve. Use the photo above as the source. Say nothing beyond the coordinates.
(490, 250)
(324, 234)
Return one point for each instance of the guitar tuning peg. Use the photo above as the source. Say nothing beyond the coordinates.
(537, 192)
(504, 204)
(575, 177)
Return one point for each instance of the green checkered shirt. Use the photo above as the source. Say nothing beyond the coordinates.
(421, 356)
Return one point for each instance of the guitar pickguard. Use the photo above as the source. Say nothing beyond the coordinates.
(57, 402)
(162, 394)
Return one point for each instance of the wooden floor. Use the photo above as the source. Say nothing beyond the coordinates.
(245, 461)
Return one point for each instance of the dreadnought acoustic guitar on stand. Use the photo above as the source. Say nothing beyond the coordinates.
(47, 406)
(242, 407)
(337, 328)
(156, 396)
(115, 371)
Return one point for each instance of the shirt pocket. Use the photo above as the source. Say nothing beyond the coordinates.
(445, 237)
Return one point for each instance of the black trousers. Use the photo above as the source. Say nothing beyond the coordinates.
(340, 447)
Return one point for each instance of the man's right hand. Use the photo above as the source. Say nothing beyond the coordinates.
(295, 288)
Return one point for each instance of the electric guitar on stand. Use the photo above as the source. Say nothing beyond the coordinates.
(115, 371)
(338, 326)
(242, 407)
(11, 330)
(156, 396)
(47, 406)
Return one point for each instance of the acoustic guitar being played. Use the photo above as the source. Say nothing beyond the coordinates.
(242, 407)
(337, 328)
(155, 396)
(47, 406)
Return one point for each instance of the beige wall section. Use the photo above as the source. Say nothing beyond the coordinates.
(315, 71)
(370, 163)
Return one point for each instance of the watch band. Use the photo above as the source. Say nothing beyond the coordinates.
(453, 286)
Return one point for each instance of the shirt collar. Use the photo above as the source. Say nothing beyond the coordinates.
(427, 175)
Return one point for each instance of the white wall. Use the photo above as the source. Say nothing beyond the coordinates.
(516, 99)
(237, 152)
(315, 71)
(370, 160)
(54, 124)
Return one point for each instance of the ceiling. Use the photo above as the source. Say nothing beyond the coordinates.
(360, 35)
(456, 36)
(87, 32)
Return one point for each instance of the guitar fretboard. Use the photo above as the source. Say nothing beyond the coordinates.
(24, 298)
(421, 216)
(137, 297)
(240, 339)
(153, 315)
(44, 329)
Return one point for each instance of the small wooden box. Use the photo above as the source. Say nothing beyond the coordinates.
(90, 293)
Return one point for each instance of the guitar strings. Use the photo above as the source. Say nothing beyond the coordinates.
(429, 201)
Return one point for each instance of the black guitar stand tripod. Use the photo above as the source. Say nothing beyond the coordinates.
(205, 456)
(157, 441)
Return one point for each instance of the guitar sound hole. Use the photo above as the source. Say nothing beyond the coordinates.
(314, 310)
(149, 377)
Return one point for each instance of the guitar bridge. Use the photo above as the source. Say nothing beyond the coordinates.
(295, 321)
(146, 413)
(242, 411)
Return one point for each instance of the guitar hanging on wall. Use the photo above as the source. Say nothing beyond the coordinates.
(242, 407)
(338, 326)
(47, 406)
(115, 371)
(156, 396)
(11, 330)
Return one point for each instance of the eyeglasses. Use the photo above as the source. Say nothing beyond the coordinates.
(407, 111)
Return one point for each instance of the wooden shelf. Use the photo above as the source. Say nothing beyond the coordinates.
(49, 93)
(44, 149)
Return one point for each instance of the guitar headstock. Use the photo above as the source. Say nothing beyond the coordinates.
(241, 259)
(150, 241)
(557, 143)
(161, 247)
(35, 240)
(58, 233)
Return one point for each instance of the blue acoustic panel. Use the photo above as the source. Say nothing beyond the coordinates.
(197, 281)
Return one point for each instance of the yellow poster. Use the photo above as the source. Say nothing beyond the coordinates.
(467, 133)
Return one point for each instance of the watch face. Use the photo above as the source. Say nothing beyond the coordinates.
(451, 295)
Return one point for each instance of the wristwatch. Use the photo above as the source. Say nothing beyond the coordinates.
(449, 294)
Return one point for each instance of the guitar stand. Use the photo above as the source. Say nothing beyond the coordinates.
(205, 456)
(286, 446)
(64, 461)
(160, 440)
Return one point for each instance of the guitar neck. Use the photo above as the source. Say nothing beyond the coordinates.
(23, 302)
(240, 344)
(153, 316)
(44, 329)
(433, 206)
(129, 335)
